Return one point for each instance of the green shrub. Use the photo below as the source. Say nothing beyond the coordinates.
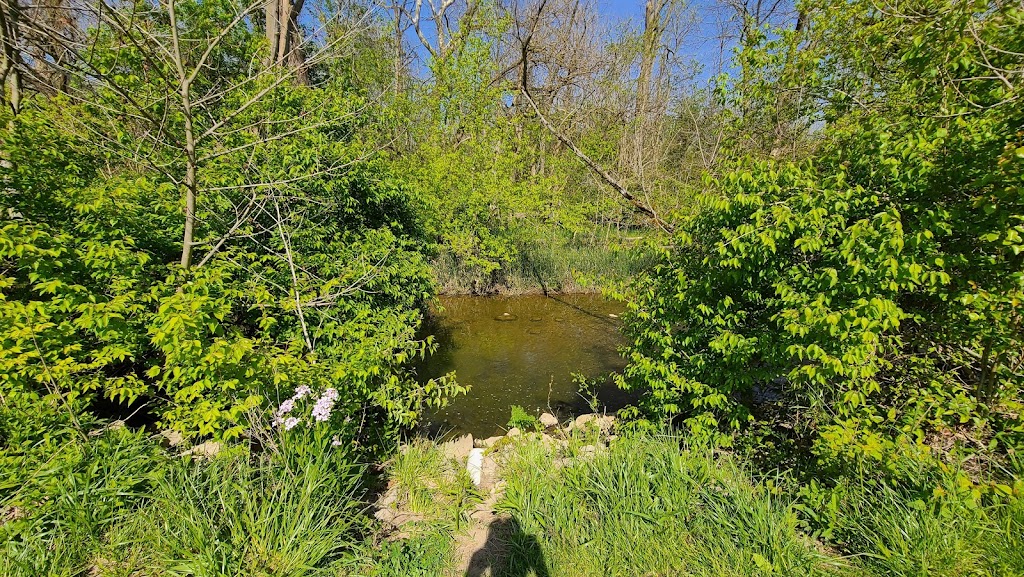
(523, 420)
(93, 304)
(875, 286)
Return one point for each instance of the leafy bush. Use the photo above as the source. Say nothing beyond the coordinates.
(93, 303)
(522, 420)
(878, 283)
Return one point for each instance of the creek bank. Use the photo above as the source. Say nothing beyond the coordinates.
(482, 460)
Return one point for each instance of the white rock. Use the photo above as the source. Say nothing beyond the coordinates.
(548, 420)
(513, 432)
(475, 466)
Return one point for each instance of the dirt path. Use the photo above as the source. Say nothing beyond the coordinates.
(482, 549)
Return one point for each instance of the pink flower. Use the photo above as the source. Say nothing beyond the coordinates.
(322, 410)
(286, 407)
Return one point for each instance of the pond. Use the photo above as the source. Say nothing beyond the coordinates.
(523, 351)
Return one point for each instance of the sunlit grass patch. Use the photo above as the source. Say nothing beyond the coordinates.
(647, 506)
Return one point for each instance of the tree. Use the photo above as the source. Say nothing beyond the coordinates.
(284, 35)
(874, 287)
(201, 228)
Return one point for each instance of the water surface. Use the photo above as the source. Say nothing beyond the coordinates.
(521, 350)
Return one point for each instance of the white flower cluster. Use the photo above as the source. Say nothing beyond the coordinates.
(321, 410)
(324, 405)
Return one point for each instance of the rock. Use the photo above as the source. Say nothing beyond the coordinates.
(581, 421)
(489, 442)
(475, 466)
(553, 444)
(384, 515)
(547, 420)
(506, 317)
(587, 451)
(171, 437)
(488, 473)
(404, 517)
(209, 449)
(459, 448)
(614, 316)
(389, 498)
(513, 432)
(603, 423)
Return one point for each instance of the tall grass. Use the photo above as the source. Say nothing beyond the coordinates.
(243, 514)
(647, 507)
(943, 526)
(428, 483)
(115, 504)
(57, 513)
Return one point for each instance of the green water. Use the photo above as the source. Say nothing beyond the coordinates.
(521, 350)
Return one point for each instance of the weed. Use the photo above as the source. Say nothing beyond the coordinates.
(522, 420)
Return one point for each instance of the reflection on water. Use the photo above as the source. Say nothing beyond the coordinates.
(521, 350)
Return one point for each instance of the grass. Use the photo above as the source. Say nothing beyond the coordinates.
(951, 529)
(650, 505)
(429, 484)
(645, 507)
(244, 515)
(114, 504)
(426, 554)
(55, 519)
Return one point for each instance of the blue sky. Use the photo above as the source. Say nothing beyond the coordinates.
(703, 45)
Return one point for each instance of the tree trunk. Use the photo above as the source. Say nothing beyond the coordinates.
(284, 39)
(10, 72)
(649, 53)
(272, 13)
